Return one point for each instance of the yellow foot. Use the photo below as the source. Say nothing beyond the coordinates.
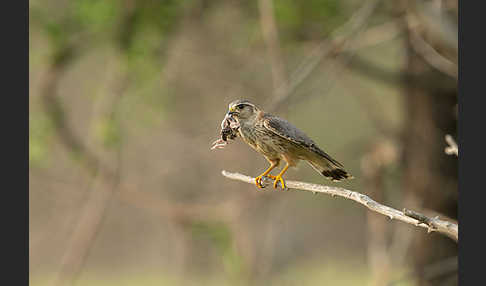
(279, 179)
(258, 180)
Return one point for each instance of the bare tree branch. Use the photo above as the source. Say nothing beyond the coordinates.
(431, 224)
(270, 36)
(339, 39)
(54, 110)
(376, 35)
(428, 53)
(438, 24)
(452, 149)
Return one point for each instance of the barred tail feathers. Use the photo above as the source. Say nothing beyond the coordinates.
(329, 170)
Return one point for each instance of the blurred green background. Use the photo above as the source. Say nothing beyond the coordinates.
(126, 97)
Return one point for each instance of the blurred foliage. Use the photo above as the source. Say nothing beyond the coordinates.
(144, 34)
(96, 17)
(108, 131)
(308, 19)
(40, 132)
(220, 236)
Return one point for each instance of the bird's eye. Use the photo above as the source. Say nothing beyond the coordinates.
(241, 106)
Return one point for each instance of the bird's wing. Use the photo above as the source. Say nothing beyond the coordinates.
(287, 130)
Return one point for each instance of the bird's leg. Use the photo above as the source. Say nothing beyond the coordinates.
(279, 178)
(258, 180)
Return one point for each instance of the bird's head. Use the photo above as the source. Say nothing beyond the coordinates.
(243, 110)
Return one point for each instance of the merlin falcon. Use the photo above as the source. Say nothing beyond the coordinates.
(278, 140)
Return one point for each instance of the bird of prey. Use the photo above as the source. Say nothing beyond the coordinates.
(277, 139)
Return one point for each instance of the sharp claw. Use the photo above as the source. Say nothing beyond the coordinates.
(281, 180)
(258, 182)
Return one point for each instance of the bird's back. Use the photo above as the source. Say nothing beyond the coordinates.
(315, 156)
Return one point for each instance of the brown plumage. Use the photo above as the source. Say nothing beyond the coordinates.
(277, 139)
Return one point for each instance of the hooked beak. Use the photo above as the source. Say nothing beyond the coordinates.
(232, 112)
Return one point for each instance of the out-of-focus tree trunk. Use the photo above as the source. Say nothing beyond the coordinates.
(373, 165)
(430, 176)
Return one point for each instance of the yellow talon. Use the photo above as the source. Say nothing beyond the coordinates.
(281, 180)
(258, 182)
